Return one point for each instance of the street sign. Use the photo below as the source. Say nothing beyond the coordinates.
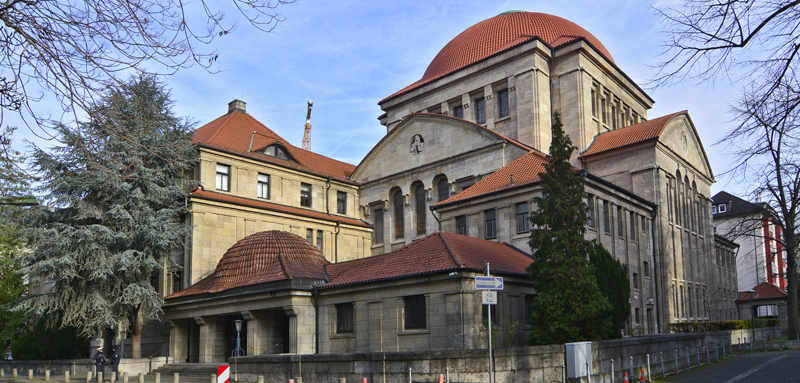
(489, 297)
(488, 283)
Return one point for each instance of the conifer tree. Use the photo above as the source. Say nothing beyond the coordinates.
(567, 306)
(116, 212)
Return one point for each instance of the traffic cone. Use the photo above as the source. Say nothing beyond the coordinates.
(626, 380)
(642, 378)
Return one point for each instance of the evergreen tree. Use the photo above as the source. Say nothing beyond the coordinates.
(568, 305)
(612, 279)
(117, 188)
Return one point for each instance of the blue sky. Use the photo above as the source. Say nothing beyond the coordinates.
(346, 55)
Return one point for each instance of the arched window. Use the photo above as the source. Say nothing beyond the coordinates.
(678, 193)
(397, 207)
(442, 188)
(686, 196)
(419, 206)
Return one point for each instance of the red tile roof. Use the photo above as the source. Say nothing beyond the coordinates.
(438, 252)
(234, 130)
(222, 197)
(268, 256)
(496, 34)
(630, 135)
(762, 291)
(523, 170)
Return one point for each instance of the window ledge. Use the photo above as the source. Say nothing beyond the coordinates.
(502, 119)
(348, 335)
(377, 245)
(398, 241)
(414, 332)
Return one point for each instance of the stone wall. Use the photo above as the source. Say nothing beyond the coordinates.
(78, 368)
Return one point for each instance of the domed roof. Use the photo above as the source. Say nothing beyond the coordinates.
(499, 33)
(267, 256)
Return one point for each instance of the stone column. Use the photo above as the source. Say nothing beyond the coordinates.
(361, 326)
(255, 330)
(208, 334)
(178, 335)
(301, 329)
(446, 108)
(466, 101)
(490, 106)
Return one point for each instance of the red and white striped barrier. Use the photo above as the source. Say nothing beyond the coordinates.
(224, 373)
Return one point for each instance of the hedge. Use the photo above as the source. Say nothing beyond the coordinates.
(723, 325)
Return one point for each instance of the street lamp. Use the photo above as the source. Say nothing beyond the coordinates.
(238, 350)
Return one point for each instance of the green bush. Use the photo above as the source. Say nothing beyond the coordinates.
(38, 342)
(722, 325)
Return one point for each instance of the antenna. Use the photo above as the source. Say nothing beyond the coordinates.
(307, 133)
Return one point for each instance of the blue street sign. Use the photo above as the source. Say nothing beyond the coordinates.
(489, 283)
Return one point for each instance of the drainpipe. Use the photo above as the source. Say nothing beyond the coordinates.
(327, 194)
(315, 299)
(336, 243)
(438, 221)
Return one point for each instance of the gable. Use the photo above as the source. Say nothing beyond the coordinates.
(680, 137)
(423, 139)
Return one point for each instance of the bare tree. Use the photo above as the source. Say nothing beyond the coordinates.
(755, 43)
(76, 50)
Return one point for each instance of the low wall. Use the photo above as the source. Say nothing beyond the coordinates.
(79, 367)
(545, 364)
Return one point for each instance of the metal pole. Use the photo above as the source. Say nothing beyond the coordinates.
(632, 369)
(663, 374)
(409, 375)
(588, 374)
(489, 311)
(612, 369)
(648, 367)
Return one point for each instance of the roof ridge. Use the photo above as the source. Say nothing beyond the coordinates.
(458, 261)
(225, 117)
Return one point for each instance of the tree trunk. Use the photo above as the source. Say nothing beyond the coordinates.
(136, 336)
(792, 290)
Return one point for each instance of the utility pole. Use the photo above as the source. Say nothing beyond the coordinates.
(489, 311)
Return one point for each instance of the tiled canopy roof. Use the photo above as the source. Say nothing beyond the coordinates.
(259, 204)
(630, 135)
(496, 34)
(273, 256)
(234, 130)
(522, 171)
(762, 291)
(268, 256)
(437, 252)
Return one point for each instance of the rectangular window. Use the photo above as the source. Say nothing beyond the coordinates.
(458, 111)
(415, 313)
(635, 280)
(502, 103)
(490, 224)
(341, 202)
(480, 110)
(594, 102)
(377, 229)
(263, 186)
(305, 194)
(344, 318)
(722, 208)
(461, 224)
(636, 315)
(646, 268)
(713, 209)
(485, 315)
(603, 108)
(606, 218)
(613, 117)
(633, 226)
(223, 177)
(620, 222)
(523, 220)
(320, 240)
(310, 236)
(590, 210)
(644, 224)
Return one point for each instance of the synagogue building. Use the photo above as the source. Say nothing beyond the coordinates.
(314, 255)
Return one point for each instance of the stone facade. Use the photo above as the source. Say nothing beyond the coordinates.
(723, 264)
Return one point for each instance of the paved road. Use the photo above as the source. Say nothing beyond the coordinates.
(762, 367)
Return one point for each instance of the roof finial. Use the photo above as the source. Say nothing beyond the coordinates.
(307, 132)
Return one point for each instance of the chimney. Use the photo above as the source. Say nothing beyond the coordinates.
(237, 104)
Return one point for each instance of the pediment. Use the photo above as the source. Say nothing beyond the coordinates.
(420, 140)
(681, 138)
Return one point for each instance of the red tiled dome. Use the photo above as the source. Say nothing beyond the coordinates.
(499, 33)
(267, 256)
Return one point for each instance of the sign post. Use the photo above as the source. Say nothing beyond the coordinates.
(489, 285)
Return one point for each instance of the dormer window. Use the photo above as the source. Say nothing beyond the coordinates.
(277, 151)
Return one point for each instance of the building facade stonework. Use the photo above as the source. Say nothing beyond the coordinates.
(317, 256)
